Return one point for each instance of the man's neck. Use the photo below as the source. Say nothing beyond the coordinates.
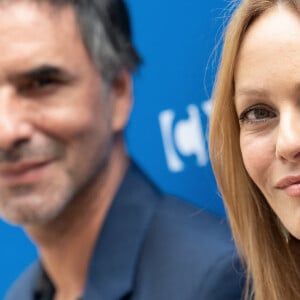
(66, 244)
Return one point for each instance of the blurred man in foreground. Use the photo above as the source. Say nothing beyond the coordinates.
(102, 229)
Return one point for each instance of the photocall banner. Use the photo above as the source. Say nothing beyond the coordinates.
(167, 132)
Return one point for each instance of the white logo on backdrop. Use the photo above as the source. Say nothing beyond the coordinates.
(184, 138)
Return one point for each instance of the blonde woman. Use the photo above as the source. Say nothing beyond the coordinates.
(255, 143)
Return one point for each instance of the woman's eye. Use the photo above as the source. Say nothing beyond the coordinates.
(257, 114)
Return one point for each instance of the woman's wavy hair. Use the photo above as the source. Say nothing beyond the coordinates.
(272, 264)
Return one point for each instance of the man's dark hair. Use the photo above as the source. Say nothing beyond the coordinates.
(106, 33)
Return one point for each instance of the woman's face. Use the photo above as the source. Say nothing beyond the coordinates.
(267, 100)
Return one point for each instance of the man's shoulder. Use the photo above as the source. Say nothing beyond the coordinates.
(189, 253)
(180, 223)
(24, 284)
(177, 226)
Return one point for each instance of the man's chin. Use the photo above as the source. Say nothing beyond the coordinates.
(28, 214)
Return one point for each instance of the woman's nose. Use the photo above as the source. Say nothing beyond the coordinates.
(288, 137)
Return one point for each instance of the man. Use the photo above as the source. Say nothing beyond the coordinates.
(102, 229)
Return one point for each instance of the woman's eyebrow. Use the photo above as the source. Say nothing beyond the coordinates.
(248, 91)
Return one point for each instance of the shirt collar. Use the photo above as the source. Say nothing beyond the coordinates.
(44, 289)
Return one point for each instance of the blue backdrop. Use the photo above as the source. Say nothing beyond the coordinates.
(167, 132)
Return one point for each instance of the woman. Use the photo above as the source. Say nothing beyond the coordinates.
(255, 142)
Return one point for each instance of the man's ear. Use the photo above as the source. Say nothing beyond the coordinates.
(121, 100)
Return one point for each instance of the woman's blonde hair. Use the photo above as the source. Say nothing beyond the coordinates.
(272, 263)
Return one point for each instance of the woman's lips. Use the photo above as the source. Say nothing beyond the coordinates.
(290, 185)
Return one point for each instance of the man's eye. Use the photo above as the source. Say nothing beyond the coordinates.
(257, 114)
(43, 82)
(37, 84)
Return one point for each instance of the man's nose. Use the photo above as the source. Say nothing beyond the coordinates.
(14, 129)
(288, 138)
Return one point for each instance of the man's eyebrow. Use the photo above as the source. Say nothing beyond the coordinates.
(42, 71)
